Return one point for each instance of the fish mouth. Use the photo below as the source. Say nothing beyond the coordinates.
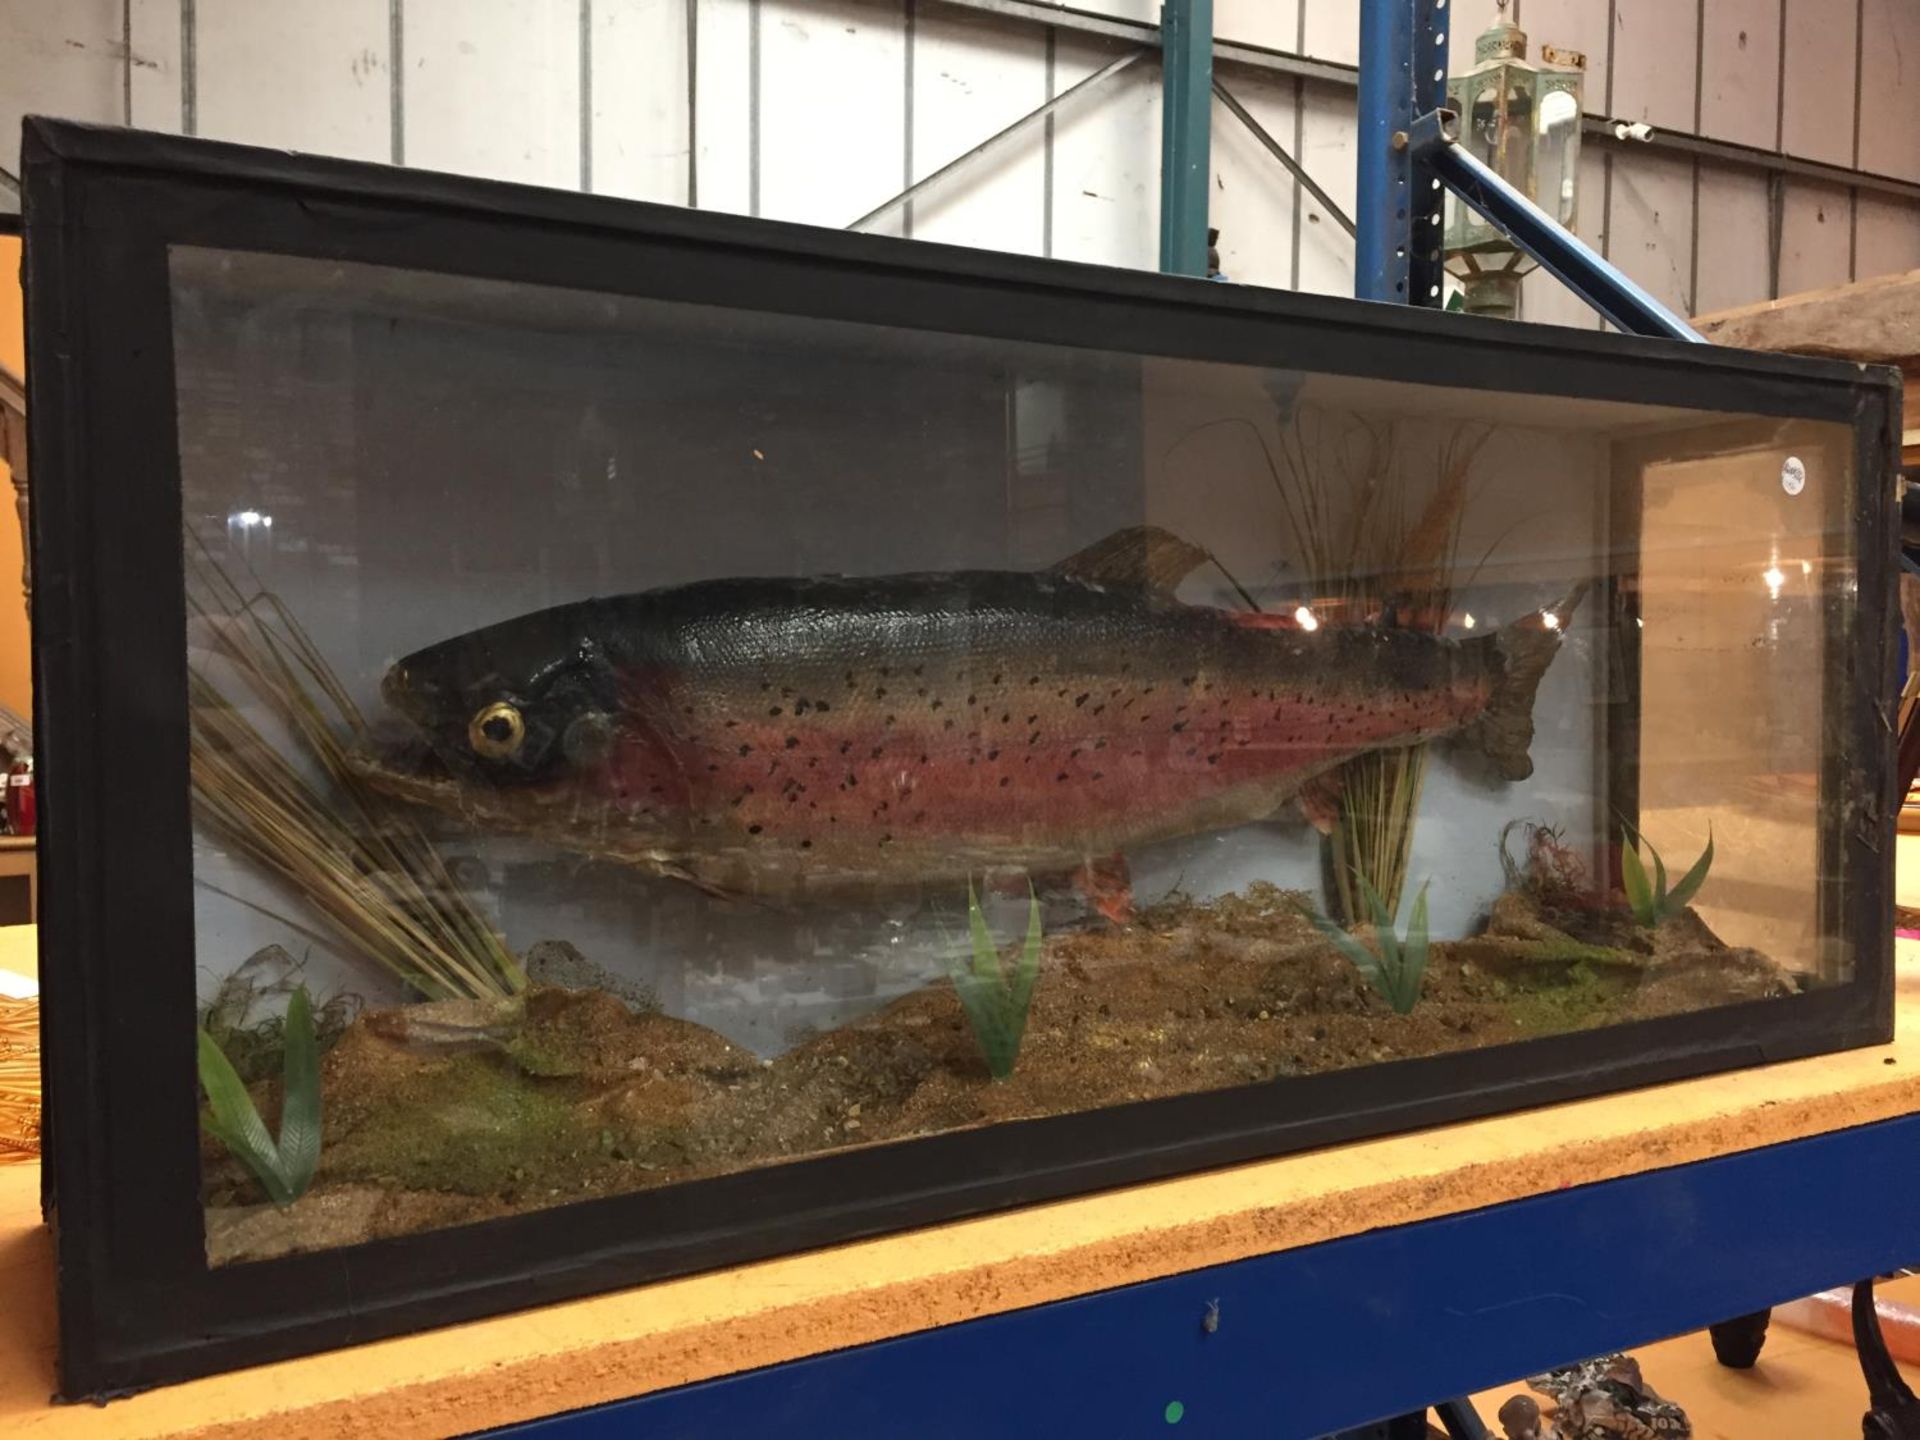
(397, 756)
(400, 764)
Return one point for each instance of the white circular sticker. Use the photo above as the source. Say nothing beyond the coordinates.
(1793, 475)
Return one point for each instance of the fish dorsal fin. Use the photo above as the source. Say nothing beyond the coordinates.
(1139, 555)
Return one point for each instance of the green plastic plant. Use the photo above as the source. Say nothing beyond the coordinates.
(284, 1167)
(996, 993)
(1396, 972)
(1651, 901)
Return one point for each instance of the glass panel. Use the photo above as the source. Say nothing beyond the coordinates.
(606, 709)
(1556, 155)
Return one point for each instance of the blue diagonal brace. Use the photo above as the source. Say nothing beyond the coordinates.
(1580, 268)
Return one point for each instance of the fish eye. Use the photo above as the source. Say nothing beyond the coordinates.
(496, 731)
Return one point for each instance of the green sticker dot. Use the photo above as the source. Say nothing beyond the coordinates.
(1176, 1412)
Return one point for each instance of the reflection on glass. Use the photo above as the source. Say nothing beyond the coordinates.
(663, 741)
(1557, 153)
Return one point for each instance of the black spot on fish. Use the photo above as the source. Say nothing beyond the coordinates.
(890, 719)
(822, 706)
(732, 723)
(754, 829)
(876, 752)
(793, 742)
(775, 710)
(1101, 743)
(880, 692)
(993, 754)
(923, 758)
(1079, 699)
(1006, 717)
(997, 677)
(1097, 710)
(972, 698)
(746, 749)
(806, 844)
(1214, 759)
(845, 745)
(1178, 726)
(1033, 680)
(1061, 776)
(1003, 782)
(947, 725)
(800, 707)
(711, 767)
(1034, 738)
(886, 839)
(1099, 774)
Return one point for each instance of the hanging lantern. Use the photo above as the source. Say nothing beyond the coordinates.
(1523, 120)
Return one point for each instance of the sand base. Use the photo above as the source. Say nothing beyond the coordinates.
(443, 1114)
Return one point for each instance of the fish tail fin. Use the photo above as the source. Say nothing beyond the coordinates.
(1521, 652)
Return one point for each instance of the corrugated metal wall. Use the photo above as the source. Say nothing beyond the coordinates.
(819, 110)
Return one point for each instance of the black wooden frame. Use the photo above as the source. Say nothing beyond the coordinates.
(138, 1303)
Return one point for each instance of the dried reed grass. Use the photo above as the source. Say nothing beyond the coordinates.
(360, 861)
(19, 1080)
(1344, 500)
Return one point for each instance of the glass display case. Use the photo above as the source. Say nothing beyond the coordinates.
(583, 741)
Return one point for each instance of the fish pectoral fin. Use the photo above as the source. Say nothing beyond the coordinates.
(1108, 885)
(1139, 555)
(671, 870)
(1319, 801)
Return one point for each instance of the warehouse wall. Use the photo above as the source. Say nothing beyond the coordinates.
(818, 110)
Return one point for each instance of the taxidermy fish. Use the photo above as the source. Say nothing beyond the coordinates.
(778, 737)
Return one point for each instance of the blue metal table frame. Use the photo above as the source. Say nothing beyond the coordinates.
(1309, 1341)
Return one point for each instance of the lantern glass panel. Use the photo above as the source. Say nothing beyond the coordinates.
(1556, 148)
